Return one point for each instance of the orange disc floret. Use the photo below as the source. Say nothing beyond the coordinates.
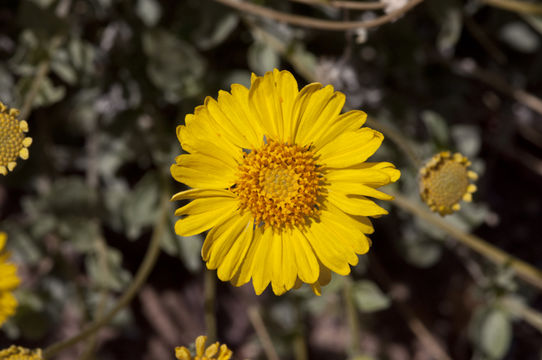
(279, 184)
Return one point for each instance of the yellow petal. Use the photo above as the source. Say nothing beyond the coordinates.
(235, 105)
(276, 261)
(202, 193)
(182, 353)
(246, 268)
(323, 109)
(27, 141)
(195, 224)
(237, 251)
(200, 345)
(355, 205)
(305, 258)
(11, 165)
(353, 188)
(287, 91)
(222, 238)
(265, 106)
(234, 128)
(350, 148)
(23, 153)
(262, 270)
(289, 265)
(202, 171)
(350, 121)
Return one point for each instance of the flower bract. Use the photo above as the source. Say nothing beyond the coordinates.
(8, 282)
(13, 142)
(280, 178)
(214, 351)
(445, 180)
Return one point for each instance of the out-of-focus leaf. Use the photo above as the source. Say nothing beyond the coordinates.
(450, 31)
(218, 32)
(43, 3)
(236, 77)
(110, 275)
(149, 11)
(6, 85)
(43, 21)
(262, 58)
(61, 66)
(520, 37)
(141, 207)
(187, 248)
(496, 334)
(467, 139)
(174, 65)
(418, 249)
(368, 297)
(437, 127)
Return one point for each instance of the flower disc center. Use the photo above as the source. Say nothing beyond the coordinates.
(279, 184)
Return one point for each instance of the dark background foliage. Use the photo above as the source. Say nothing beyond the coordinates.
(121, 75)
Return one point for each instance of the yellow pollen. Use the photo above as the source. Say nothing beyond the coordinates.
(279, 184)
(13, 143)
(445, 182)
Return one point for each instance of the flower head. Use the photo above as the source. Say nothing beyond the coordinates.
(445, 181)
(8, 282)
(280, 179)
(13, 143)
(212, 352)
(20, 353)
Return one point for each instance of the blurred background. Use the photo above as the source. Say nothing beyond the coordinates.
(103, 85)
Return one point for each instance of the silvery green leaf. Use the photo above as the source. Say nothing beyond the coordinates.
(368, 297)
(437, 127)
(149, 11)
(221, 29)
(495, 334)
(141, 206)
(109, 275)
(262, 58)
(520, 37)
(467, 139)
(187, 248)
(450, 31)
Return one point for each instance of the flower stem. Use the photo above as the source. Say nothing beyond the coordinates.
(209, 304)
(523, 7)
(143, 272)
(525, 271)
(258, 324)
(354, 348)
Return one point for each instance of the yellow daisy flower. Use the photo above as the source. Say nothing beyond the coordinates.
(213, 352)
(445, 181)
(13, 143)
(8, 282)
(279, 177)
(20, 353)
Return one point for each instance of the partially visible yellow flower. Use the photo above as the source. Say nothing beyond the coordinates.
(280, 178)
(13, 142)
(445, 180)
(213, 352)
(8, 282)
(20, 353)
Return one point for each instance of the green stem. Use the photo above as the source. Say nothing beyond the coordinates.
(354, 348)
(523, 7)
(143, 272)
(524, 270)
(209, 304)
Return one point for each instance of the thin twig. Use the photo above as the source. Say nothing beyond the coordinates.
(41, 73)
(470, 69)
(402, 142)
(351, 5)
(144, 270)
(523, 270)
(523, 7)
(263, 335)
(310, 22)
